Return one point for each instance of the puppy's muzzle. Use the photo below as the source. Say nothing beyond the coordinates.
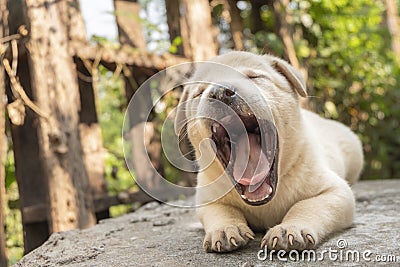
(244, 142)
(228, 95)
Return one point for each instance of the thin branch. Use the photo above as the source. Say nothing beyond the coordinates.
(117, 71)
(93, 68)
(84, 77)
(128, 74)
(88, 65)
(9, 38)
(3, 48)
(15, 84)
(98, 58)
(14, 49)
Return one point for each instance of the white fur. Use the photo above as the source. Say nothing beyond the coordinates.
(318, 159)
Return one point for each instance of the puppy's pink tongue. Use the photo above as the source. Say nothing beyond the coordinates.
(251, 164)
(262, 191)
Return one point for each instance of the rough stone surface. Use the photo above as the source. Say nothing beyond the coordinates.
(161, 235)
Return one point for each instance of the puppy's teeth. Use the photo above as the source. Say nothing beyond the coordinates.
(257, 200)
(243, 196)
(214, 127)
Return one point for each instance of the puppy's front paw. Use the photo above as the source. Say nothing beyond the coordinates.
(227, 238)
(290, 236)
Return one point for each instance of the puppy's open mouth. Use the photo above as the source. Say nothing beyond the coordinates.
(250, 156)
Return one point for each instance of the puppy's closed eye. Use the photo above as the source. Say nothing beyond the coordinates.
(254, 75)
(197, 94)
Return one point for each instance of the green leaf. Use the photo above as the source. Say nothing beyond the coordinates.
(217, 10)
(330, 107)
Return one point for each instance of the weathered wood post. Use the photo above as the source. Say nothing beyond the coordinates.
(89, 127)
(196, 39)
(130, 31)
(91, 138)
(199, 39)
(55, 88)
(392, 22)
(191, 20)
(29, 171)
(235, 22)
(130, 28)
(175, 21)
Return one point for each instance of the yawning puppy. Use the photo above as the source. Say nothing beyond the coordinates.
(265, 163)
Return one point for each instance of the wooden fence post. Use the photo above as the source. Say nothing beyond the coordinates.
(392, 22)
(29, 173)
(55, 88)
(129, 24)
(89, 127)
(199, 38)
(128, 18)
(91, 138)
(174, 21)
(236, 24)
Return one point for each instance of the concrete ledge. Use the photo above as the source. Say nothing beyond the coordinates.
(161, 235)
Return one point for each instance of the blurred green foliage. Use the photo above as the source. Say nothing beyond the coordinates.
(111, 106)
(354, 68)
(13, 221)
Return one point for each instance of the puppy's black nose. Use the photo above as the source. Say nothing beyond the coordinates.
(225, 94)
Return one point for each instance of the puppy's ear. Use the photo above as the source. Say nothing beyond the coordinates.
(180, 117)
(294, 77)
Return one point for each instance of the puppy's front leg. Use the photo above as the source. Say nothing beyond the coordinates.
(225, 226)
(311, 220)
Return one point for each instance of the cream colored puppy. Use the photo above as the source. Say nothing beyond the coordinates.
(288, 175)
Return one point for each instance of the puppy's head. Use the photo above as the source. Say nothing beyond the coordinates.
(237, 110)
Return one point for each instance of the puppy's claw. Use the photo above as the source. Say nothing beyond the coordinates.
(218, 245)
(233, 241)
(250, 236)
(274, 242)
(311, 239)
(206, 246)
(290, 239)
(263, 243)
